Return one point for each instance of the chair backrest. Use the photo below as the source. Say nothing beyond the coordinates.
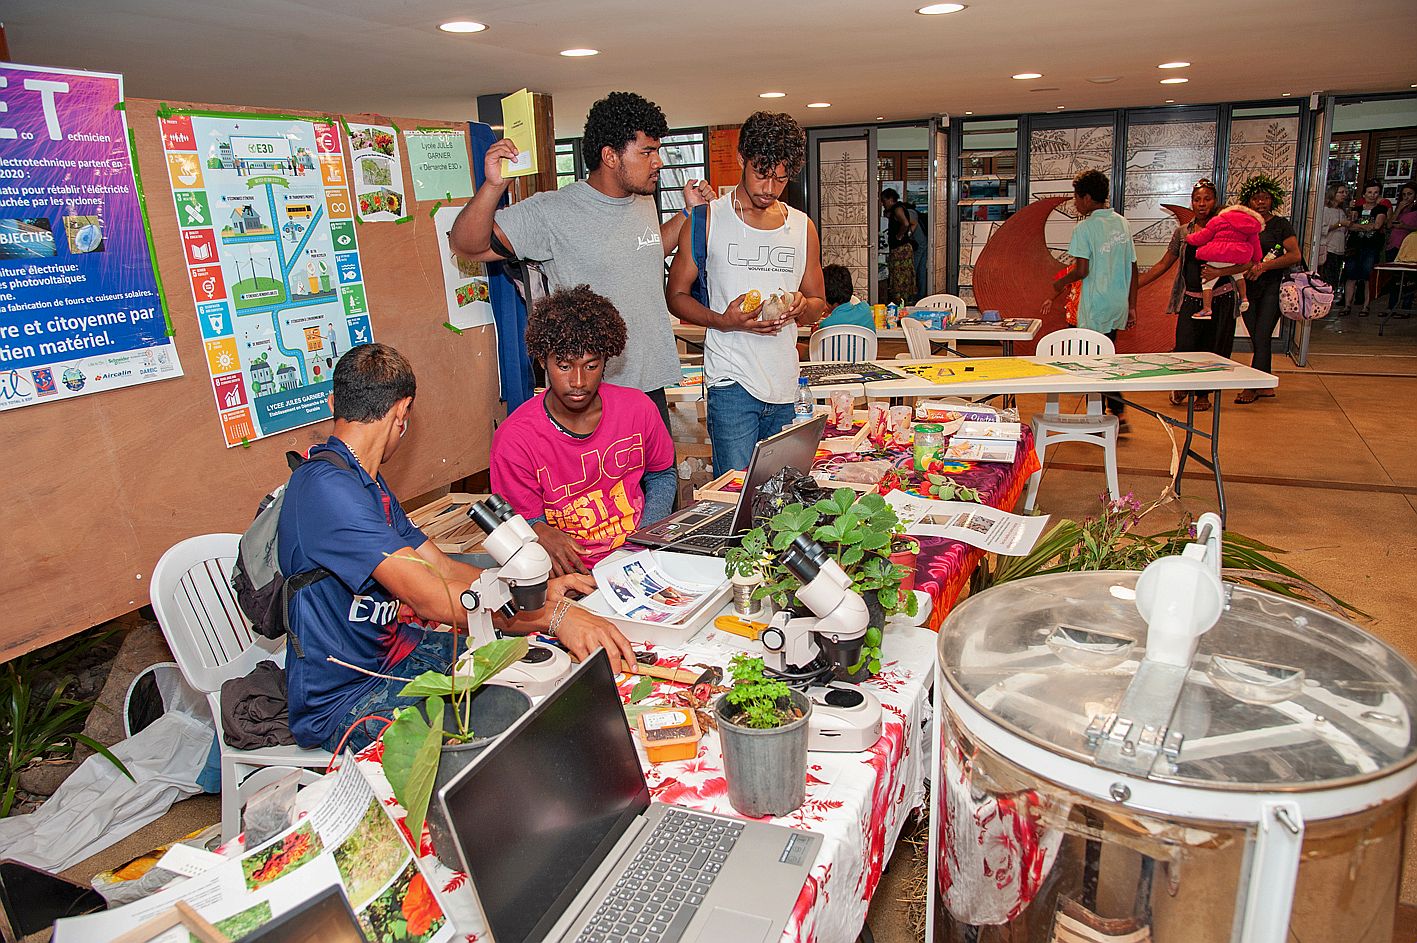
(1075, 342)
(197, 611)
(951, 303)
(844, 342)
(917, 338)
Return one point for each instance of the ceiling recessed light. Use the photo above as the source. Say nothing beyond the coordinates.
(462, 26)
(819, 104)
(1061, 107)
(579, 53)
(880, 117)
(1029, 75)
(1173, 65)
(1285, 94)
(935, 9)
(1103, 79)
(1170, 101)
(1176, 81)
(969, 112)
(772, 94)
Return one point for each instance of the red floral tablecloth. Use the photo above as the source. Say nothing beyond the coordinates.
(858, 802)
(944, 566)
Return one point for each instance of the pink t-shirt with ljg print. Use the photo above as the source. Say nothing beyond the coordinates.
(592, 489)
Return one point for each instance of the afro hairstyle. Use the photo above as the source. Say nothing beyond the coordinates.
(767, 140)
(574, 322)
(615, 120)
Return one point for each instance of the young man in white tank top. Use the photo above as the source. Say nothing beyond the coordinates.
(755, 242)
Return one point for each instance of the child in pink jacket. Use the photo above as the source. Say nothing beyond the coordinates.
(1232, 237)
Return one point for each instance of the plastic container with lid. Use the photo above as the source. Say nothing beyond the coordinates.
(1193, 796)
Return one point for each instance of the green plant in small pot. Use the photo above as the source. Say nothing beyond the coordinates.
(747, 565)
(859, 532)
(428, 744)
(762, 724)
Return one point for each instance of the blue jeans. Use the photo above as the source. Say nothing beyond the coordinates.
(434, 653)
(737, 421)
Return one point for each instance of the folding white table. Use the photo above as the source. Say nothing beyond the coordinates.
(1119, 374)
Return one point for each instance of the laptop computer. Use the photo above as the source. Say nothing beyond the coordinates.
(710, 527)
(556, 832)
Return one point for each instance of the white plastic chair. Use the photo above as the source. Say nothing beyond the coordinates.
(844, 342)
(954, 304)
(212, 642)
(917, 340)
(1095, 427)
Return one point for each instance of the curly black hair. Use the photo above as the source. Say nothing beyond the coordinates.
(767, 140)
(1092, 183)
(573, 322)
(837, 280)
(613, 122)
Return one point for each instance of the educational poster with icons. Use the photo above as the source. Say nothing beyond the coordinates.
(268, 229)
(378, 176)
(80, 311)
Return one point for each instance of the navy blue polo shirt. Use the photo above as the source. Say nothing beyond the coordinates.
(347, 523)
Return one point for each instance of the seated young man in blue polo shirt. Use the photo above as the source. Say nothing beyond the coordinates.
(350, 523)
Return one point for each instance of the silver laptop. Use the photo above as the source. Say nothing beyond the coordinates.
(710, 527)
(556, 832)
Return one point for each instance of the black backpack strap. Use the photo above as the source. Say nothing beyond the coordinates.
(309, 577)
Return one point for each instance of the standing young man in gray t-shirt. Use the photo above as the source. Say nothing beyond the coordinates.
(603, 231)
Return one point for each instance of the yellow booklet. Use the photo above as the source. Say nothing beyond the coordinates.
(983, 368)
(519, 122)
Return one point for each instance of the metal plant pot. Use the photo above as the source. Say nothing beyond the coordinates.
(766, 769)
(495, 707)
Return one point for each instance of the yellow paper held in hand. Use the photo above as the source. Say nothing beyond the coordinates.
(519, 121)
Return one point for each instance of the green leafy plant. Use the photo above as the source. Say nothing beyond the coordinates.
(1109, 541)
(759, 699)
(35, 725)
(944, 488)
(870, 652)
(414, 741)
(857, 530)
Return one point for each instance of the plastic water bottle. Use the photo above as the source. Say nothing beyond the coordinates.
(892, 315)
(803, 406)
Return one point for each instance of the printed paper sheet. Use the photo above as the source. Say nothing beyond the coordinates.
(379, 194)
(978, 525)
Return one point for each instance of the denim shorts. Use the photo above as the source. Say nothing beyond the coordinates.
(434, 653)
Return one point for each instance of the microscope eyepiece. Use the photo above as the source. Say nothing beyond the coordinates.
(804, 558)
(491, 512)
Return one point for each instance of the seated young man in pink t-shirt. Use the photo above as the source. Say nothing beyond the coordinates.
(584, 462)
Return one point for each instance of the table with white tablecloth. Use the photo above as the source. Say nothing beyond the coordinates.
(858, 802)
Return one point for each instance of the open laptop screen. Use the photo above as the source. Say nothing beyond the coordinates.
(536, 814)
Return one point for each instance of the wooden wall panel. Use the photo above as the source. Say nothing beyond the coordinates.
(99, 486)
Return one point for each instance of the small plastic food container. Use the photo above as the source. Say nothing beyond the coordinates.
(669, 733)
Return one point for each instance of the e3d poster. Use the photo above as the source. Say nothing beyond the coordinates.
(80, 310)
(268, 229)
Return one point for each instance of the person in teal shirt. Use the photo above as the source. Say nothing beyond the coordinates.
(842, 306)
(1105, 261)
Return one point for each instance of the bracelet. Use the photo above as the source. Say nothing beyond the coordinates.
(687, 211)
(563, 606)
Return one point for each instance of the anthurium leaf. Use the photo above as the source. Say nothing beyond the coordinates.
(428, 684)
(411, 752)
(497, 654)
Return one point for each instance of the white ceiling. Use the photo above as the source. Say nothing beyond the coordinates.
(705, 63)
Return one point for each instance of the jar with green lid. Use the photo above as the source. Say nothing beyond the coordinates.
(929, 436)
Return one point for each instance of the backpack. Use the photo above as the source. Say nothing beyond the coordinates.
(698, 219)
(262, 591)
(1303, 296)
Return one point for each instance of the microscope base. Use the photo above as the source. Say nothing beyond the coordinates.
(845, 719)
(539, 672)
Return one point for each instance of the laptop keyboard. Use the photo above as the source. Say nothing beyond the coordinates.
(663, 887)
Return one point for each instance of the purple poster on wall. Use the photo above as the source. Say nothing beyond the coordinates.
(80, 310)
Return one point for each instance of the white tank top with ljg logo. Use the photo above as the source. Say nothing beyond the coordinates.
(741, 258)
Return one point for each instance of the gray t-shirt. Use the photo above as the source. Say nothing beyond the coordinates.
(611, 244)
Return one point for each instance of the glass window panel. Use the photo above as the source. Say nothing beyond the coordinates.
(1164, 161)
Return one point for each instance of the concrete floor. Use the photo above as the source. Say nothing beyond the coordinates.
(1326, 470)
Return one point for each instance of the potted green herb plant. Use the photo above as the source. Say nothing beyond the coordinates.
(428, 744)
(762, 724)
(858, 531)
(746, 564)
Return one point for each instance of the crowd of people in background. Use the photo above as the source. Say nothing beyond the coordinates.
(1358, 235)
